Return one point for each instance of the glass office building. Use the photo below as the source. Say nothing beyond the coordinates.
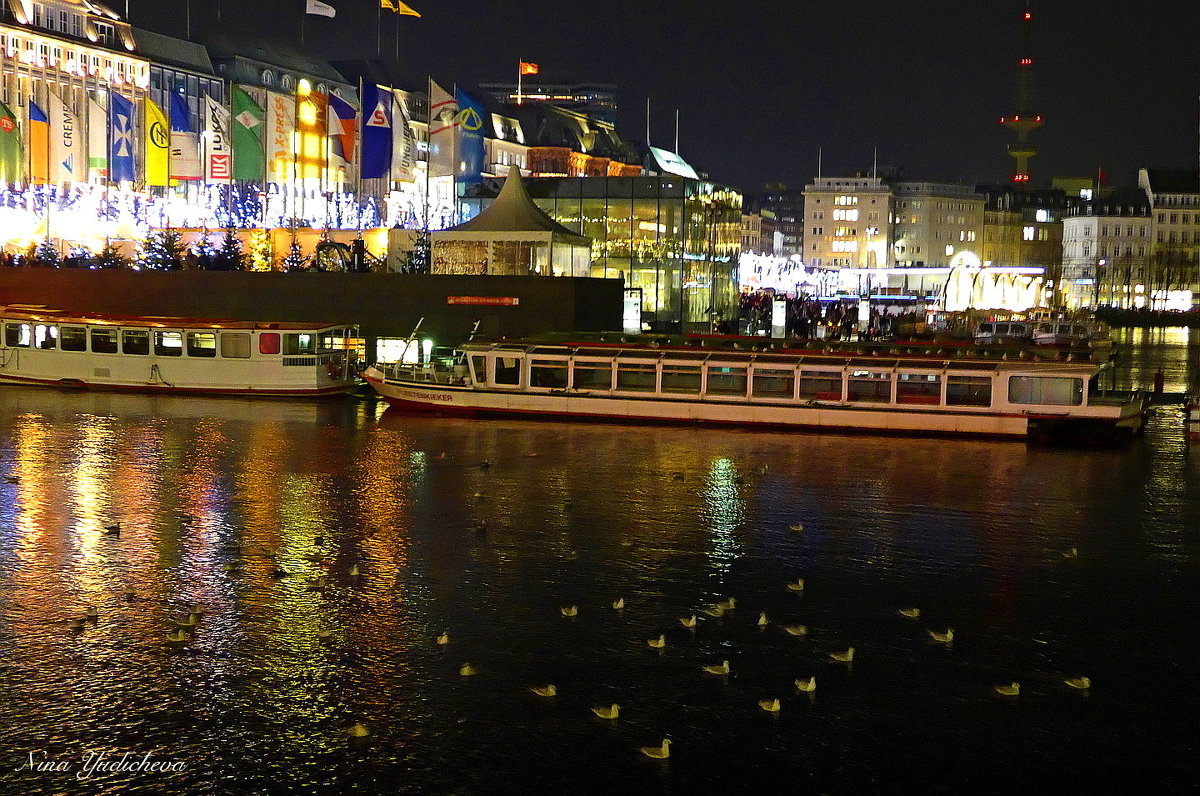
(676, 239)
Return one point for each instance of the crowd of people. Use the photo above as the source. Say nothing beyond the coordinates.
(807, 317)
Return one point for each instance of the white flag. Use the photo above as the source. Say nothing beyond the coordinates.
(320, 9)
(443, 132)
(66, 158)
(97, 140)
(404, 142)
(281, 130)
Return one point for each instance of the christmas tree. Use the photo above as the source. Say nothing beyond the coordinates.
(163, 250)
(420, 258)
(111, 257)
(262, 256)
(230, 257)
(80, 257)
(295, 259)
(205, 252)
(46, 255)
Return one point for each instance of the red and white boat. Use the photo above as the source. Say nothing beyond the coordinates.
(176, 355)
(639, 381)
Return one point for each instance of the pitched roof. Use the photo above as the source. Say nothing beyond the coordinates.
(514, 211)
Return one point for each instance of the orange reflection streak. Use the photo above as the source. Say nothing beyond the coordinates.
(92, 453)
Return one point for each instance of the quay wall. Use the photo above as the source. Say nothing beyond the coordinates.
(384, 305)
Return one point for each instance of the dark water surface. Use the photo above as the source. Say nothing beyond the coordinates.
(672, 520)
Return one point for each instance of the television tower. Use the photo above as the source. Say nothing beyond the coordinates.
(1024, 121)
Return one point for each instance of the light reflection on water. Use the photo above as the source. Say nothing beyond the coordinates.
(671, 519)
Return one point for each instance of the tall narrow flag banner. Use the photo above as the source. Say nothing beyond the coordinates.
(471, 148)
(185, 142)
(320, 9)
(121, 166)
(66, 158)
(404, 141)
(39, 145)
(158, 144)
(12, 151)
(249, 124)
(443, 137)
(377, 122)
(282, 133)
(218, 162)
(343, 129)
(97, 139)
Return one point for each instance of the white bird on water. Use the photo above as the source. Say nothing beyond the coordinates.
(547, 690)
(569, 611)
(808, 686)
(722, 669)
(796, 630)
(716, 610)
(1082, 683)
(619, 603)
(358, 731)
(657, 643)
(727, 605)
(688, 621)
(658, 752)
(1012, 689)
(843, 657)
(769, 705)
(910, 613)
(944, 638)
(608, 713)
(796, 527)
(444, 639)
(762, 620)
(466, 670)
(798, 585)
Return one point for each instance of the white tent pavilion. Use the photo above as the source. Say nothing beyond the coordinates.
(512, 236)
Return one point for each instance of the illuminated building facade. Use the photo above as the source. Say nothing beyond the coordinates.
(1107, 254)
(595, 100)
(785, 206)
(1174, 197)
(848, 222)
(1023, 228)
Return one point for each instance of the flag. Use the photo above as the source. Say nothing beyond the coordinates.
(312, 135)
(320, 9)
(97, 140)
(218, 166)
(39, 145)
(282, 129)
(404, 141)
(121, 166)
(399, 7)
(12, 151)
(66, 158)
(377, 117)
(249, 123)
(158, 144)
(343, 128)
(470, 132)
(443, 124)
(185, 142)
(526, 68)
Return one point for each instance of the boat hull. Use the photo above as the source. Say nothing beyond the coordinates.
(337, 388)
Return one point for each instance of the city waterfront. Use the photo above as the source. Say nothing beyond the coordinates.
(1048, 563)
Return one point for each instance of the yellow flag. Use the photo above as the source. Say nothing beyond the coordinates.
(399, 7)
(158, 144)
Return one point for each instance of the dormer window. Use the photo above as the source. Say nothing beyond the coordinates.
(287, 83)
(268, 77)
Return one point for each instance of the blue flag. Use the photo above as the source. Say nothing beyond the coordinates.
(376, 131)
(120, 141)
(181, 117)
(471, 155)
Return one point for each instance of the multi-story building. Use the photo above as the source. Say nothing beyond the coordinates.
(934, 222)
(771, 241)
(595, 100)
(786, 205)
(848, 222)
(1022, 228)
(752, 233)
(1174, 197)
(1107, 254)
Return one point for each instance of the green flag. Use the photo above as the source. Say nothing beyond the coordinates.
(12, 154)
(249, 122)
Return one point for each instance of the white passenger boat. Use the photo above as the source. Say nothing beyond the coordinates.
(1004, 332)
(803, 389)
(176, 355)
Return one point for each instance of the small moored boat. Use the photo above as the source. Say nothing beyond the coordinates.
(176, 355)
(648, 381)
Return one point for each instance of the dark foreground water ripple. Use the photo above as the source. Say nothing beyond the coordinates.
(976, 534)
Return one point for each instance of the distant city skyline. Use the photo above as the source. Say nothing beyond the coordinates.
(761, 89)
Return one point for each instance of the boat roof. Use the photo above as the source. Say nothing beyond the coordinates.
(960, 359)
(41, 314)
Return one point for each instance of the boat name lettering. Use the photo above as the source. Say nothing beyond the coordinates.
(424, 395)
(500, 301)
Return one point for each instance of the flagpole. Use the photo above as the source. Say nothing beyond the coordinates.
(397, 16)
(303, 14)
(428, 146)
(518, 81)
(358, 163)
(378, 27)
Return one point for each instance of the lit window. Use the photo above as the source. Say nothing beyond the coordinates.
(1027, 233)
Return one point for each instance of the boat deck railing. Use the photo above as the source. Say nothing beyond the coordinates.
(440, 370)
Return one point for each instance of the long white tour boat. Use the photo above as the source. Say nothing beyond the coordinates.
(945, 392)
(176, 355)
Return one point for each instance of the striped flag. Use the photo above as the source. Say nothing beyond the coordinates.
(39, 145)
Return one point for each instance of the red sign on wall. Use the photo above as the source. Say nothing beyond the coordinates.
(491, 301)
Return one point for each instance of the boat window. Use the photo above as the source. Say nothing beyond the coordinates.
(681, 378)
(72, 338)
(479, 369)
(592, 375)
(305, 343)
(104, 341)
(821, 385)
(17, 335)
(550, 373)
(986, 328)
(45, 336)
(168, 344)
(872, 386)
(235, 345)
(637, 376)
(135, 341)
(508, 371)
(968, 390)
(1047, 327)
(268, 343)
(1001, 328)
(773, 383)
(726, 381)
(333, 340)
(918, 388)
(1047, 390)
(201, 344)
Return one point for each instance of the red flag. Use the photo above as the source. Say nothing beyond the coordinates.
(526, 68)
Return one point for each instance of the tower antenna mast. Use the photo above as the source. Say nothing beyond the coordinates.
(1024, 121)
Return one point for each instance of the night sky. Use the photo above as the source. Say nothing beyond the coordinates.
(762, 85)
